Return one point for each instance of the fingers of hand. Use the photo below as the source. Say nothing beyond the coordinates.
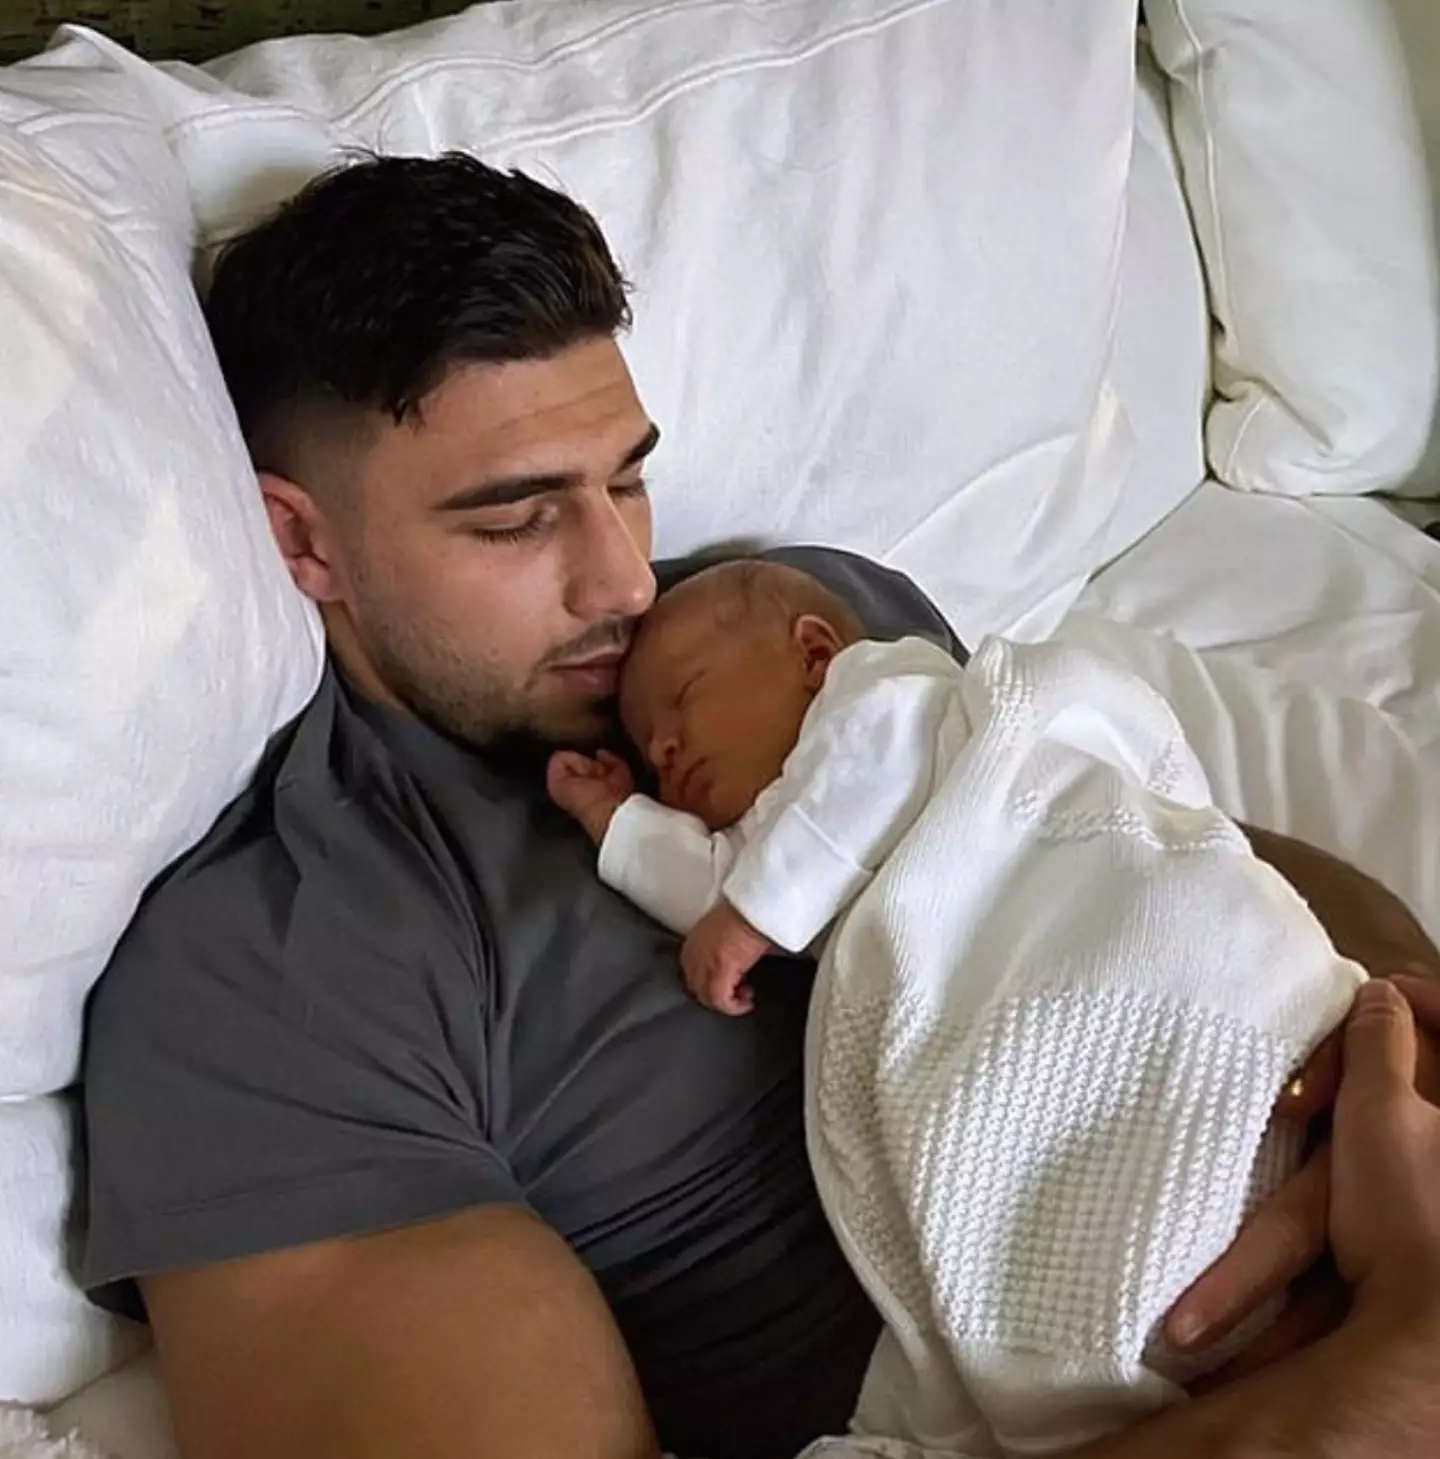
(569, 765)
(731, 994)
(1313, 1090)
(1422, 993)
(1421, 988)
(1313, 1310)
(1283, 1239)
(612, 767)
(559, 778)
(696, 973)
(1420, 983)
(1380, 1049)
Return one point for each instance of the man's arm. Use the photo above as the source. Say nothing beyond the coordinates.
(1372, 1388)
(1369, 1391)
(1286, 1238)
(1365, 920)
(480, 1336)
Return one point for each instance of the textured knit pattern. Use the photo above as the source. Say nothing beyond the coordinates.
(1115, 1135)
(1045, 1042)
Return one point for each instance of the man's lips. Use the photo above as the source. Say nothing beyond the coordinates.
(599, 674)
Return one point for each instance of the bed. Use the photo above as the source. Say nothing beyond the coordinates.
(1129, 336)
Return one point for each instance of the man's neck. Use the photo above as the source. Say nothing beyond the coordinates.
(352, 660)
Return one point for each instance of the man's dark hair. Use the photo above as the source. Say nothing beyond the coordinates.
(363, 291)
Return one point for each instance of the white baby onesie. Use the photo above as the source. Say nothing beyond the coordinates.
(1057, 999)
(888, 717)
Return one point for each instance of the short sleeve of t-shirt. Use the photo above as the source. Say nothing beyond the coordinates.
(288, 1044)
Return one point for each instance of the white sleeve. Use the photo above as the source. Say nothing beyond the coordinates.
(853, 785)
(668, 862)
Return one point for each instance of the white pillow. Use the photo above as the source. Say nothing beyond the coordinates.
(1302, 161)
(52, 1341)
(152, 639)
(1419, 22)
(876, 244)
(1161, 366)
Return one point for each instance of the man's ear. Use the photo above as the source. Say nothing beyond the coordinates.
(303, 534)
(818, 643)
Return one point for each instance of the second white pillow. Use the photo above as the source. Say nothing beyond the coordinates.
(1302, 160)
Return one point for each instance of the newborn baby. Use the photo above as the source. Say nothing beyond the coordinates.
(753, 695)
(1057, 994)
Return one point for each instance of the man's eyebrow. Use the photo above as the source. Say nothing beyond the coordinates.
(642, 448)
(505, 490)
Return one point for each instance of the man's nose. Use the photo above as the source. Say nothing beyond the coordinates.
(611, 576)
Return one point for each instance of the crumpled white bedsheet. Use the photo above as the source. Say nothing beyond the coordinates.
(24, 1434)
(1299, 644)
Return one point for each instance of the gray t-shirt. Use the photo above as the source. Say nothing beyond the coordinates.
(388, 986)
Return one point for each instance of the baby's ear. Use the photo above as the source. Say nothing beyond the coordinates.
(818, 643)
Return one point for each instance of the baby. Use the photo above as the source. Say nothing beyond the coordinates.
(754, 697)
(1057, 994)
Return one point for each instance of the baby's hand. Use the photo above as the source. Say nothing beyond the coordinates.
(721, 949)
(591, 788)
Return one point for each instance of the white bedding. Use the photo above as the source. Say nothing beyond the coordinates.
(1299, 641)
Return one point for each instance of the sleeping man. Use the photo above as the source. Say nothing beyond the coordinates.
(403, 1131)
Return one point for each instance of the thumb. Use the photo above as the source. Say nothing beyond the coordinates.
(564, 765)
(1380, 1047)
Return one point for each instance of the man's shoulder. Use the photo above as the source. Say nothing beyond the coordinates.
(329, 829)
(889, 603)
(296, 777)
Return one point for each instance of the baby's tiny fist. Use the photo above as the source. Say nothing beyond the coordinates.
(565, 778)
(616, 774)
(591, 790)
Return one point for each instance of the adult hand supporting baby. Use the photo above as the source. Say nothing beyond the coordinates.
(1285, 1244)
(1372, 1387)
(1385, 1189)
(718, 954)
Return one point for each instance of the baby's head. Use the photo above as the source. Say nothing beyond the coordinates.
(719, 677)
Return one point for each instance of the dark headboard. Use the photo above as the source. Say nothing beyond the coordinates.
(193, 30)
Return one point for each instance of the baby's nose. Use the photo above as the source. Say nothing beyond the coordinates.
(662, 748)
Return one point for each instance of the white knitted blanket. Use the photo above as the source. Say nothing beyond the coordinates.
(1043, 1050)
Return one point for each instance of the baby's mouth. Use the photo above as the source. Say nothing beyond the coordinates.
(692, 783)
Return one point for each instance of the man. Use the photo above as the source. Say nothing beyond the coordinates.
(404, 1123)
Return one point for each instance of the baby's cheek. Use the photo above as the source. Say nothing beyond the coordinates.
(634, 716)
